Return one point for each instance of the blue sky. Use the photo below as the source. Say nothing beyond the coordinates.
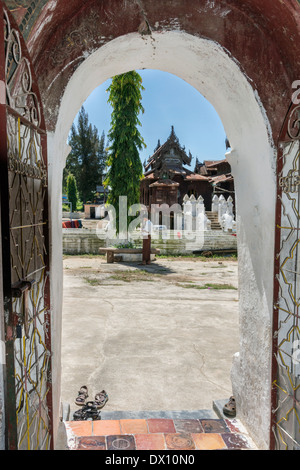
(168, 100)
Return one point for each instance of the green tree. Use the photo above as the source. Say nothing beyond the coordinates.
(72, 191)
(102, 156)
(125, 168)
(83, 160)
(72, 163)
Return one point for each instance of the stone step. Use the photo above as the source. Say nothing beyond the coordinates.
(197, 414)
(214, 218)
(155, 430)
(160, 414)
(212, 214)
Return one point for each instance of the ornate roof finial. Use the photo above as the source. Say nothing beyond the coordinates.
(158, 146)
(173, 136)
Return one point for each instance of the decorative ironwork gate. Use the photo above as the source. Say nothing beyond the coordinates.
(24, 226)
(285, 432)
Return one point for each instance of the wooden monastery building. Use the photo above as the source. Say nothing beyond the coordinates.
(167, 180)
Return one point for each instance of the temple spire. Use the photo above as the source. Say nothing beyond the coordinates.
(173, 136)
(158, 146)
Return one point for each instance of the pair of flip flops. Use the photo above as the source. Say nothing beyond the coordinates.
(100, 398)
(229, 408)
(89, 409)
(88, 412)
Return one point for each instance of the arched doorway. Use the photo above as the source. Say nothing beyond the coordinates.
(258, 40)
(147, 357)
(199, 61)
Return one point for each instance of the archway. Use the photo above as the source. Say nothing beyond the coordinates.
(156, 330)
(206, 66)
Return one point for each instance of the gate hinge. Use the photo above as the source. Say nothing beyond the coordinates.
(18, 290)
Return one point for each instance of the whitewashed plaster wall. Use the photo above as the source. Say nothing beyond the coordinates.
(211, 70)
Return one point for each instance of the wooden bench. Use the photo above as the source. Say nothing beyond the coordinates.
(113, 252)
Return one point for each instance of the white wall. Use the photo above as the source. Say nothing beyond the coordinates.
(207, 67)
(57, 152)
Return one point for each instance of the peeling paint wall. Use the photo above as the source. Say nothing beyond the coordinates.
(258, 35)
(261, 36)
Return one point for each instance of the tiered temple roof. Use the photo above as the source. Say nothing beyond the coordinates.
(168, 160)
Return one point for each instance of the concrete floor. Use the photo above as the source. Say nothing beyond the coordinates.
(150, 336)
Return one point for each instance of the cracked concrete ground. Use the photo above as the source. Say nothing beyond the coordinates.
(159, 337)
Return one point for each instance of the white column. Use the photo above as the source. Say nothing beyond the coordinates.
(215, 204)
(222, 207)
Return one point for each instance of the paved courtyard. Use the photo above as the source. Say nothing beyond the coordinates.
(157, 337)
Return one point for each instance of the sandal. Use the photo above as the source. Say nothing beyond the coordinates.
(82, 396)
(229, 408)
(100, 399)
(88, 412)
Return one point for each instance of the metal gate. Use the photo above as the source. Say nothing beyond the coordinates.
(285, 428)
(25, 253)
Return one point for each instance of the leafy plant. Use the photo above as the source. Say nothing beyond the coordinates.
(72, 191)
(125, 245)
(208, 286)
(125, 169)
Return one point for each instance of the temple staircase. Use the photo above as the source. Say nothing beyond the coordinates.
(214, 218)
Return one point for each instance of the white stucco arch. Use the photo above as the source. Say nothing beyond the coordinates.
(217, 76)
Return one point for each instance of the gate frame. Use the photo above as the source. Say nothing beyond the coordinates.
(10, 398)
(284, 137)
(11, 438)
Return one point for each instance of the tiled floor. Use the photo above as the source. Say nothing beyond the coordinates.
(157, 434)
